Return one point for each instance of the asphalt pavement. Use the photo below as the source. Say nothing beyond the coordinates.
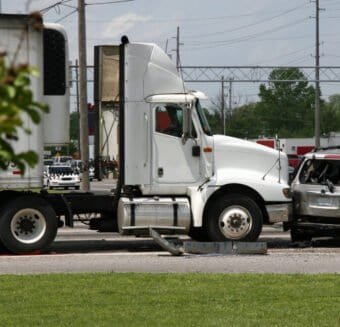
(81, 250)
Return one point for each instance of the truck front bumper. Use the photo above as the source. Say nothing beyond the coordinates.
(279, 212)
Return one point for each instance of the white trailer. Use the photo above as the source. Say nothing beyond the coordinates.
(174, 175)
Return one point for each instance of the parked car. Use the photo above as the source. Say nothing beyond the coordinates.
(77, 166)
(316, 195)
(61, 176)
(48, 162)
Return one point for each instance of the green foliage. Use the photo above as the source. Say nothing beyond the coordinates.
(170, 300)
(330, 115)
(214, 120)
(74, 125)
(244, 122)
(285, 109)
(16, 102)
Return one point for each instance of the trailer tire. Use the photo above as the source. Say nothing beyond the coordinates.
(28, 224)
(234, 217)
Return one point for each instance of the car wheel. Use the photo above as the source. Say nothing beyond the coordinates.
(27, 224)
(234, 217)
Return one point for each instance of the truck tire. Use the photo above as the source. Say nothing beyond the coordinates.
(27, 224)
(234, 217)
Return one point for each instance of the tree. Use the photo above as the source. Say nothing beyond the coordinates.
(334, 102)
(215, 116)
(243, 122)
(330, 115)
(286, 108)
(214, 120)
(74, 125)
(16, 99)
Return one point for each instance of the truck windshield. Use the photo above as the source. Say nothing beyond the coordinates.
(203, 118)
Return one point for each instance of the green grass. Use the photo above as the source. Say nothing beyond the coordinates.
(170, 300)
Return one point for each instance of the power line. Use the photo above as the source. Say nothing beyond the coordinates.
(107, 2)
(68, 15)
(186, 19)
(246, 37)
(247, 25)
(45, 10)
(288, 54)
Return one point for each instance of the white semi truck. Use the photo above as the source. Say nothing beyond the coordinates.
(174, 175)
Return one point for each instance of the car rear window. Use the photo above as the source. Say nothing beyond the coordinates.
(319, 171)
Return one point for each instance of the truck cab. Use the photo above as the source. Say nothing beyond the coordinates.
(167, 151)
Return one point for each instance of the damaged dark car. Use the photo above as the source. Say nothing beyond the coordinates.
(316, 196)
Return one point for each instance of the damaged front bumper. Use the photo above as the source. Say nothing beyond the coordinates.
(281, 212)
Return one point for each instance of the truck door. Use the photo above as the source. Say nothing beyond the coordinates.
(173, 159)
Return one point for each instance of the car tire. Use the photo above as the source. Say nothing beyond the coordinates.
(234, 217)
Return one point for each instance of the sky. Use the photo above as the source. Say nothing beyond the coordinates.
(212, 32)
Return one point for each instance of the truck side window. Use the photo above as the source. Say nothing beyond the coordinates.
(169, 120)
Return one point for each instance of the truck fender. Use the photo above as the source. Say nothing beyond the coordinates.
(198, 199)
(218, 191)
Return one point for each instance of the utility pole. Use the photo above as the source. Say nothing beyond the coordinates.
(84, 137)
(222, 105)
(230, 96)
(177, 49)
(317, 77)
(78, 107)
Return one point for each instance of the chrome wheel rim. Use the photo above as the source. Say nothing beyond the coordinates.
(28, 226)
(235, 222)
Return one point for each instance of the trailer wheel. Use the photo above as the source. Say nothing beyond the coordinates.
(28, 224)
(234, 217)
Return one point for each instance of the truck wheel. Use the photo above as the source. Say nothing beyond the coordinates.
(27, 224)
(234, 217)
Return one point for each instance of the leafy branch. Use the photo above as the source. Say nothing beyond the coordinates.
(16, 102)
